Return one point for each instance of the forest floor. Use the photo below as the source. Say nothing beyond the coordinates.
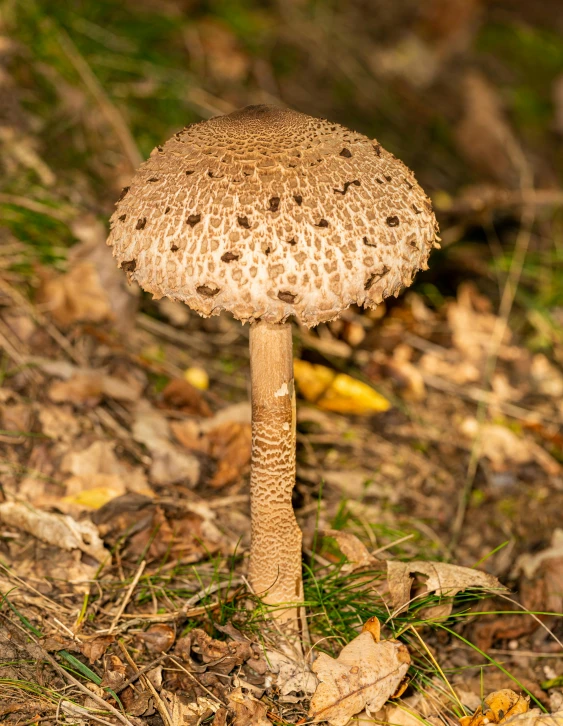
(125, 422)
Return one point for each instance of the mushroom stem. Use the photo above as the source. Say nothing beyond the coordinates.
(275, 551)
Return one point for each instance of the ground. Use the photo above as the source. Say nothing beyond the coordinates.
(124, 421)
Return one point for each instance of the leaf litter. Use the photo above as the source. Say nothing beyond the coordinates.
(118, 425)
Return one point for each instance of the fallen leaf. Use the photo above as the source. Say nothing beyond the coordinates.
(182, 395)
(198, 377)
(535, 717)
(333, 391)
(158, 638)
(185, 711)
(88, 387)
(55, 529)
(74, 296)
(248, 711)
(123, 299)
(230, 445)
(442, 579)
(353, 549)
(498, 707)
(364, 676)
(95, 648)
(169, 464)
(218, 656)
(292, 676)
(504, 449)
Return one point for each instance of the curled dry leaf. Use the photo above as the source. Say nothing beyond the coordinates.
(292, 676)
(353, 549)
(55, 529)
(442, 579)
(364, 676)
(96, 648)
(158, 638)
(498, 707)
(333, 391)
(248, 711)
(185, 711)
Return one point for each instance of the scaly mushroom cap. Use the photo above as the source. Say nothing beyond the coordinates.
(268, 213)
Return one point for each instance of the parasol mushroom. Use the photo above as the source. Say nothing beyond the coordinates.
(268, 213)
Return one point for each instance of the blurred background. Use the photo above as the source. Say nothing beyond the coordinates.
(469, 93)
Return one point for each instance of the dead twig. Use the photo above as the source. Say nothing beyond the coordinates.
(127, 597)
(158, 702)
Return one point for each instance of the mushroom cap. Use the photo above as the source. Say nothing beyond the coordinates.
(268, 213)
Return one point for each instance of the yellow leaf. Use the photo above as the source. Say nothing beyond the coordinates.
(332, 391)
(93, 498)
(197, 377)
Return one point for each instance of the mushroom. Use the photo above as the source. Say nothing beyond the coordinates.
(269, 213)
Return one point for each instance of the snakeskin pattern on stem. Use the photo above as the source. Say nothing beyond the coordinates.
(275, 554)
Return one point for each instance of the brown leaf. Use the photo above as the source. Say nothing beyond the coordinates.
(181, 395)
(353, 549)
(56, 529)
(88, 387)
(169, 464)
(75, 296)
(442, 579)
(230, 444)
(217, 655)
(247, 710)
(364, 675)
(158, 638)
(95, 649)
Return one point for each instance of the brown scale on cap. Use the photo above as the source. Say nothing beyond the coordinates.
(309, 190)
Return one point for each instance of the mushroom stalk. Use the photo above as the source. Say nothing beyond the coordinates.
(275, 552)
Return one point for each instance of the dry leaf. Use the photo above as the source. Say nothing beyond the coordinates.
(364, 676)
(158, 638)
(333, 391)
(230, 445)
(535, 717)
(503, 448)
(88, 387)
(169, 464)
(497, 708)
(75, 296)
(444, 580)
(248, 711)
(292, 676)
(99, 476)
(182, 395)
(55, 529)
(353, 549)
(95, 648)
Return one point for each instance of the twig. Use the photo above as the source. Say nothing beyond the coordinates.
(108, 109)
(158, 702)
(91, 694)
(140, 672)
(38, 207)
(191, 675)
(127, 597)
(204, 592)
